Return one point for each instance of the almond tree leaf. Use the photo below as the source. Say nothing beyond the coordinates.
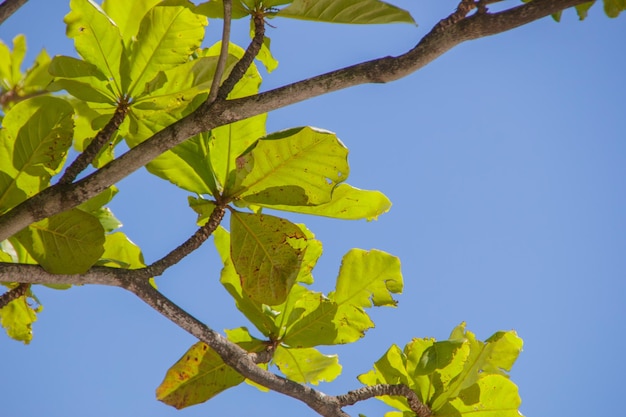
(66, 243)
(81, 79)
(199, 375)
(306, 366)
(261, 317)
(346, 11)
(613, 8)
(299, 167)
(36, 135)
(490, 396)
(17, 318)
(5, 67)
(214, 9)
(121, 252)
(168, 34)
(37, 76)
(368, 277)
(97, 39)
(267, 252)
(347, 203)
(128, 15)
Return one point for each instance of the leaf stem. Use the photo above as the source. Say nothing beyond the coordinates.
(84, 159)
(221, 62)
(13, 294)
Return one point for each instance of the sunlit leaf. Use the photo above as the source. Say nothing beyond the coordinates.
(490, 396)
(267, 252)
(368, 277)
(168, 34)
(81, 79)
(17, 318)
(215, 9)
(97, 39)
(66, 243)
(298, 167)
(346, 11)
(347, 203)
(306, 366)
(121, 252)
(127, 15)
(261, 317)
(199, 375)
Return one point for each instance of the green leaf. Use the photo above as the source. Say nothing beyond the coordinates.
(261, 317)
(306, 366)
(298, 167)
(128, 15)
(97, 39)
(242, 337)
(347, 203)
(169, 33)
(368, 277)
(267, 252)
(346, 11)
(199, 375)
(10, 63)
(121, 252)
(37, 76)
(35, 137)
(491, 396)
(613, 8)
(582, 9)
(67, 243)
(454, 377)
(214, 9)
(19, 51)
(17, 318)
(81, 79)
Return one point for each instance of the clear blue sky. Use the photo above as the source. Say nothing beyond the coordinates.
(505, 160)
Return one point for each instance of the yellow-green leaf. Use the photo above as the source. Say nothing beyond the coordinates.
(306, 366)
(299, 166)
(67, 243)
(346, 11)
(347, 203)
(267, 252)
(17, 318)
(127, 15)
(121, 252)
(199, 375)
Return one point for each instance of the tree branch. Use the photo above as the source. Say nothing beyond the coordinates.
(365, 393)
(60, 198)
(84, 159)
(13, 294)
(191, 244)
(8, 7)
(221, 62)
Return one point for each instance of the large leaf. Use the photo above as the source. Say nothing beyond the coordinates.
(347, 203)
(35, 138)
(299, 167)
(169, 33)
(260, 316)
(128, 15)
(306, 366)
(81, 79)
(346, 11)
(199, 375)
(97, 39)
(267, 252)
(66, 243)
(215, 9)
(121, 252)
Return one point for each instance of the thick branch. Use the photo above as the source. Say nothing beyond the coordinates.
(8, 7)
(59, 198)
(366, 393)
(221, 61)
(13, 294)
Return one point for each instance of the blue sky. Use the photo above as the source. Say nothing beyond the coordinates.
(505, 161)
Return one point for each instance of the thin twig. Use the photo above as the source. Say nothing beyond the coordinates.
(84, 159)
(8, 7)
(244, 63)
(190, 245)
(365, 393)
(221, 62)
(13, 294)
